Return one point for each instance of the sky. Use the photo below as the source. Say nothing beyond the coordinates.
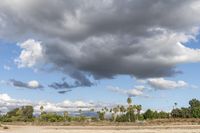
(72, 54)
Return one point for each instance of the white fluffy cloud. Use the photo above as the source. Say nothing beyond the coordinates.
(163, 84)
(65, 106)
(7, 103)
(33, 84)
(137, 91)
(31, 54)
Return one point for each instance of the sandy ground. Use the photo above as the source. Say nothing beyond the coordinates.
(103, 129)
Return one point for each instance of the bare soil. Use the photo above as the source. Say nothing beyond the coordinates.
(103, 129)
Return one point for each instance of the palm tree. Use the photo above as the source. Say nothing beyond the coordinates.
(118, 108)
(41, 109)
(105, 109)
(138, 108)
(122, 109)
(115, 110)
(175, 104)
(80, 111)
(129, 101)
(65, 115)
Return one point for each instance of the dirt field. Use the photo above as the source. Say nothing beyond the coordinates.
(103, 129)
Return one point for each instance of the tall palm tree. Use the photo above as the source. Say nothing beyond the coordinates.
(41, 109)
(118, 108)
(115, 110)
(129, 101)
(122, 109)
(65, 115)
(105, 109)
(175, 104)
(80, 111)
(138, 108)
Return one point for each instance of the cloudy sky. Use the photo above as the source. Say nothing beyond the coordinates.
(81, 53)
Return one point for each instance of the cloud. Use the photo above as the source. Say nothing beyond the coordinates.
(137, 91)
(80, 81)
(31, 54)
(71, 106)
(163, 84)
(63, 92)
(34, 84)
(103, 39)
(63, 85)
(29, 85)
(7, 103)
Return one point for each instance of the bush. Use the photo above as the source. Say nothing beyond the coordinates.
(51, 117)
(5, 127)
(101, 115)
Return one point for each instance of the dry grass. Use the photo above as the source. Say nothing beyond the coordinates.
(189, 121)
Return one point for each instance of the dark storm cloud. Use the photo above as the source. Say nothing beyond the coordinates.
(18, 83)
(75, 20)
(80, 81)
(63, 92)
(63, 85)
(29, 85)
(102, 39)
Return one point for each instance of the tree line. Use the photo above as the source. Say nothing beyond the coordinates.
(120, 113)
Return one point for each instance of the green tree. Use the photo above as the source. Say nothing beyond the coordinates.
(195, 108)
(24, 113)
(149, 114)
(176, 113)
(194, 103)
(13, 112)
(196, 112)
(51, 117)
(163, 115)
(186, 113)
(27, 112)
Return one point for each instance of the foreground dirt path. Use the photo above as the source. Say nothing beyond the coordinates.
(106, 129)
